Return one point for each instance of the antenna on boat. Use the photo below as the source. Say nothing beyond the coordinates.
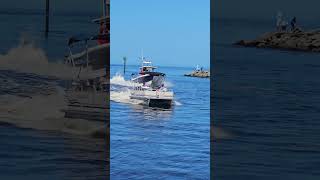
(105, 8)
(47, 18)
(142, 58)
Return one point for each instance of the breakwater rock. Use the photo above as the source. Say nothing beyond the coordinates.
(201, 74)
(296, 40)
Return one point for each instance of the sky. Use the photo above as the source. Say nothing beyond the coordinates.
(305, 9)
(170, 32)
(57, 5)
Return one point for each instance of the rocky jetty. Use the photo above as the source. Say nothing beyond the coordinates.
(201, 74)
(296, 40)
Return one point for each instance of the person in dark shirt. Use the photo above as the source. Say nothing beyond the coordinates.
(102, 28)
(293, 23)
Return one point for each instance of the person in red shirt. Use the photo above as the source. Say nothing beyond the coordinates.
(102, 31)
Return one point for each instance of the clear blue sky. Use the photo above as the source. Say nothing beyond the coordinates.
(170, 32)
(305, 9)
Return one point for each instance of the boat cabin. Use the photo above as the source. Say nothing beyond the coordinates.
(147, 67)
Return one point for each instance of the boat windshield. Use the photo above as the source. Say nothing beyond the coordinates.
(157, 82)
(147, 69)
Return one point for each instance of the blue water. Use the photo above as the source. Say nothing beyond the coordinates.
(36, 143)
(156, 144)
(267, 104)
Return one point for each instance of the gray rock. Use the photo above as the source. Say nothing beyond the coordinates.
(294, 40)
(201, 74)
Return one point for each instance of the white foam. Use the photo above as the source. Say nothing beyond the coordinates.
(118, 79)
(41, 112)
(45, 113)
(168, 84)
(123, 97)
(27, 58)
(177, 103)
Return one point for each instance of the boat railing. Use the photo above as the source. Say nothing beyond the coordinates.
(140, 88)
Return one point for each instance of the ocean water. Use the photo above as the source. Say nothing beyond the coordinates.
(267, 102)
(37, 142)
(150, 143)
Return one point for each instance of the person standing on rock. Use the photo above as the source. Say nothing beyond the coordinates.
(279, 21)
(293, 23)
(284, 25)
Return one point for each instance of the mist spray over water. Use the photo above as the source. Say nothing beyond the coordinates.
(41, 111)
(26, 58)
(120, 90)
(118, 80)
(44, 113)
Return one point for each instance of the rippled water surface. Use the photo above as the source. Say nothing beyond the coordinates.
(156, 144)
(268, 102)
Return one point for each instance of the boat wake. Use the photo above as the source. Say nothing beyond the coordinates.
(123, 96)
(118, 80)
(28, 99)
(26, 58)
(43, 112)
(120, 90)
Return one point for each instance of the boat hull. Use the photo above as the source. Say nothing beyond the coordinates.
(93, 114)
(87, 105)
(159, 99)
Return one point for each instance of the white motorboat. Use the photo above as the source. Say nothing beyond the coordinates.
(87, 99)
(151, 87)
(88, 93)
